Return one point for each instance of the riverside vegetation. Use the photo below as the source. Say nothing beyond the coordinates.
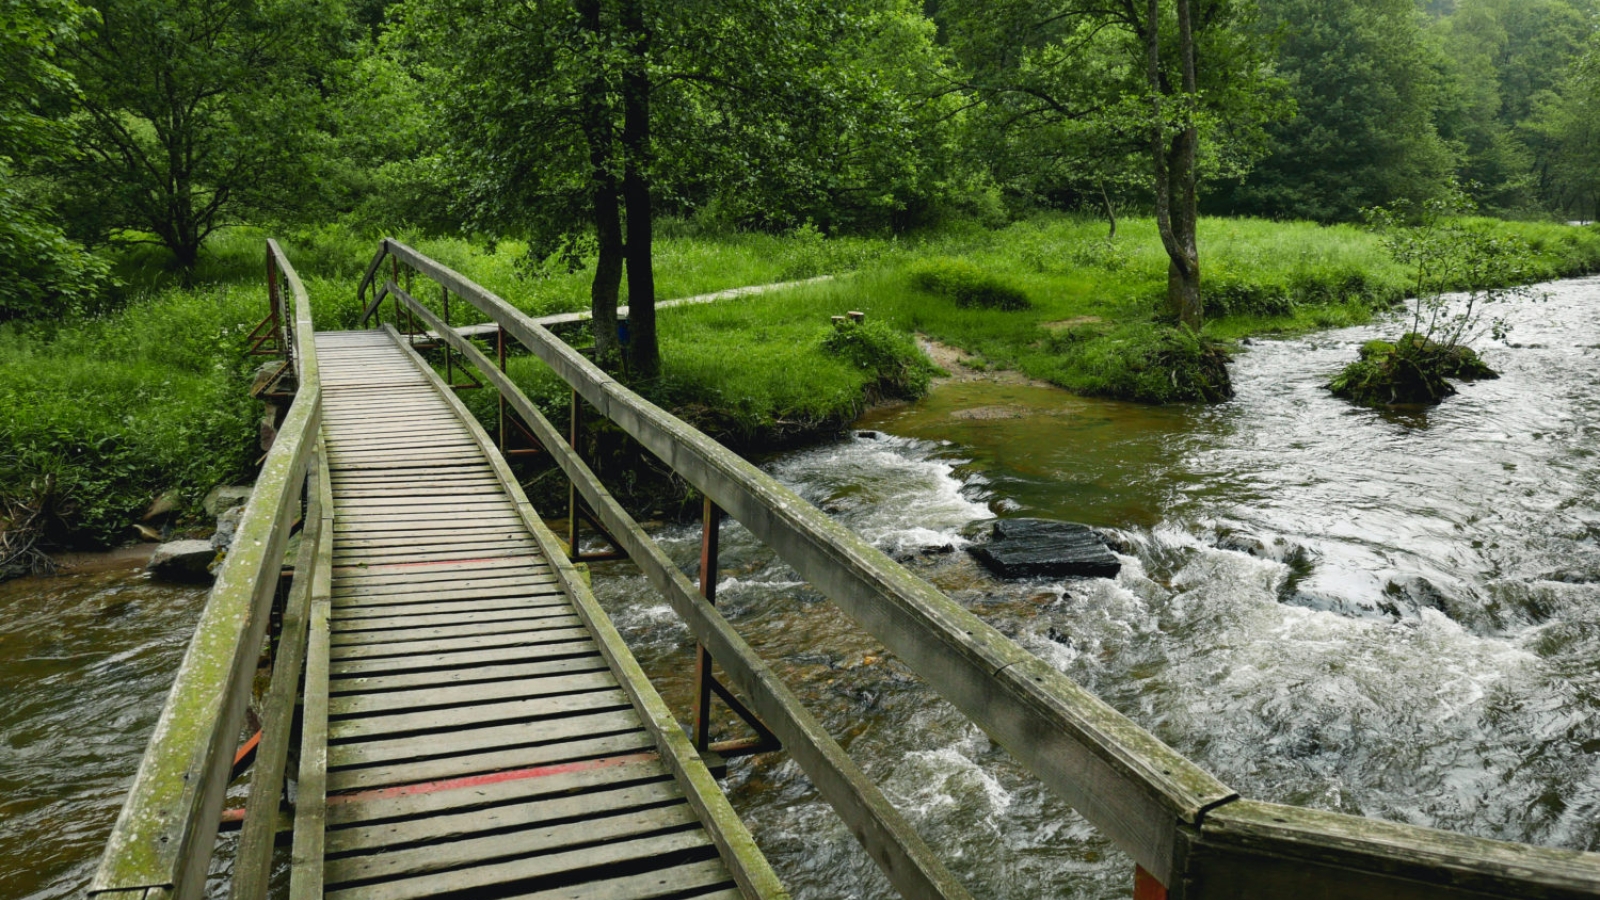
(108, 406)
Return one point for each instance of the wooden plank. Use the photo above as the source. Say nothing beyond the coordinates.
(354, 608)
(604, 856)
(436, 696)
(435, 570)
(528, 813)
(423, 721)
(377, 684)
(443, 550)
(574, 646)
(557, 737)
(457, 617)
(398, 639)
(522, 844)
(400, 596)
(380, 807)
(530, 576)
(526, 637)
(437, 532)
(691, 881)
(305, 881)
(409, 769)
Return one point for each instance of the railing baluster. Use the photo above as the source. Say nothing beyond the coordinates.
(710, 535)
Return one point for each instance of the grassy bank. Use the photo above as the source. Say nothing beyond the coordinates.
(105, 411)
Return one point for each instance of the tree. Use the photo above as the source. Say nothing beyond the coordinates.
(1564, 130)
(40, 267)
(1365, 84)
(574, 122)
(193, 113)
(1130, 78)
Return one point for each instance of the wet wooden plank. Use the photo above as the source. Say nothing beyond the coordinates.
(401, 596)
(465, 616)
(398, 639)
(375, 808)
(479, 693)
(376, 684)
(554, 739)
(406, 604)
(692, 881)
(530, 812)
(521, 844)
(523, 638)
(572, 645)
(408, 769)
(343, 731)
(544, 866)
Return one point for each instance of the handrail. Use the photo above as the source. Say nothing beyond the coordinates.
(1195, 835)
(889, 839)
(162, 842)
(1134, 788)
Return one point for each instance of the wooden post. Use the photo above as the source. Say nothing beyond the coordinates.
(710, 532)
(576, 420)
(1146, 887)
(857, 316)
(449, 365)
(838, 321)
(500, 354)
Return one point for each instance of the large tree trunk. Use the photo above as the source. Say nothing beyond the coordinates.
(1174, 159)
(605, 201)
(644, 354)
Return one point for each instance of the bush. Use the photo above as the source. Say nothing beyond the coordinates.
(967, 285)
(1411, 370)
(1150, 363)
(890, 356)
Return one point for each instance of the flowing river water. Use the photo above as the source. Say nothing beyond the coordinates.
(1390, 614)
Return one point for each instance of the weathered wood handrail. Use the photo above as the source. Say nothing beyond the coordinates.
(1134, 788)
(1193, 833)
(889, 839)
(162, 842)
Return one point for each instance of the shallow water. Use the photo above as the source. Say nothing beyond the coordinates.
(85, 663)
(1391, 614)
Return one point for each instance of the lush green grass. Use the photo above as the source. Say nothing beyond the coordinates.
(104, 413)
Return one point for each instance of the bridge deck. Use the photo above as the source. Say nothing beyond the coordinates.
(476, 739)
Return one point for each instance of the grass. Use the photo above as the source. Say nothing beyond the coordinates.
(105, 411)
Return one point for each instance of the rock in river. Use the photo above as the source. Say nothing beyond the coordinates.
(1035, 548)
(183, 561)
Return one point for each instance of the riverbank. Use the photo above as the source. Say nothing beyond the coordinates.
(109, 410)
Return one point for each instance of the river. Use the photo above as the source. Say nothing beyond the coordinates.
(1385, 613)
(1391, 614)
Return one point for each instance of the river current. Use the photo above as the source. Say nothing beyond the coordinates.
(1390, 614)
(1385, 613)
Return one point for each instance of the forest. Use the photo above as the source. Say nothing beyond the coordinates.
(1070, 159)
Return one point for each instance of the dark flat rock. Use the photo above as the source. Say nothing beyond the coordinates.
(182, 561)
(1045, 548)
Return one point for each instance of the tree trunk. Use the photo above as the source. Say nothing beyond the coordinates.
(1111, 213)
(598, 133)
(644, 354)
(1174, 159)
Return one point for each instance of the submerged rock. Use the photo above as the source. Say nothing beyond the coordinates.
(182, 561)
(1045, 548)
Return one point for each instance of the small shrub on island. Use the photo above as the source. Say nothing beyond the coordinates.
(1457, 268)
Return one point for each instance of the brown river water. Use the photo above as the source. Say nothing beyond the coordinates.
(1391, 614)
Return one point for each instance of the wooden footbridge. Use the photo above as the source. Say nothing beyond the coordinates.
(450, 713)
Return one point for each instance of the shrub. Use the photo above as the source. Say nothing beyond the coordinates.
(892, 357)
(967, 285)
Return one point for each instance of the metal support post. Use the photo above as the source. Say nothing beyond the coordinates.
(710, 533)
(576, 419)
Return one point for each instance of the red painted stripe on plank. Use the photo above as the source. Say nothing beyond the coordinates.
(432, 787)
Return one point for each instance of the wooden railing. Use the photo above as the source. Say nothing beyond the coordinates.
(1190, 835)
(162, 843)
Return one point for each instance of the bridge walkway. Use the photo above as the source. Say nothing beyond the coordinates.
(476, 738)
